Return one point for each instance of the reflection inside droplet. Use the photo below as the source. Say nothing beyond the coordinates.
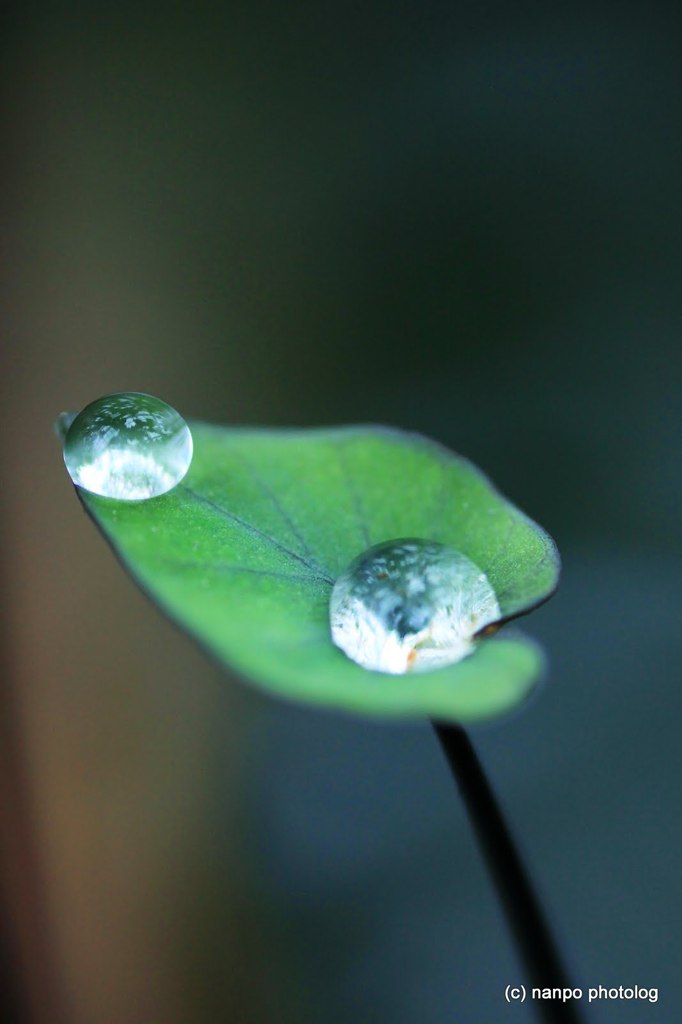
(410, 606)
(128, 446)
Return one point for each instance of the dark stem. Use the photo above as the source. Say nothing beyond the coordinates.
(537, 946)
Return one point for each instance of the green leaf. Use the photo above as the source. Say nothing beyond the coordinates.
(244, 552)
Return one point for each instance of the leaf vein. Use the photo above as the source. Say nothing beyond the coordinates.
(270, 573)
(256, 531)
(280, 509)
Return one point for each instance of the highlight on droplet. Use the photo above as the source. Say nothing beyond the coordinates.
(128, 446)
(410, 605)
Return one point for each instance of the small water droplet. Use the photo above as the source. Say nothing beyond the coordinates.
(128, 446)
(409, 606)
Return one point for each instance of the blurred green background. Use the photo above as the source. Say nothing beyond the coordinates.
(464, 220)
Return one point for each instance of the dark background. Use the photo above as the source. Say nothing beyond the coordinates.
(460, 220)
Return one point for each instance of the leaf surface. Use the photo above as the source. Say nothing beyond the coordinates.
(244, 552)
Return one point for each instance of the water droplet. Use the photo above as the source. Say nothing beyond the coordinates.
(128, 446)
(410, 606)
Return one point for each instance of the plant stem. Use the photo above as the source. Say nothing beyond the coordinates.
(537, 946)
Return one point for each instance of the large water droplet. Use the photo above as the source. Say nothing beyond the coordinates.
(410, 605)
(128, 446)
